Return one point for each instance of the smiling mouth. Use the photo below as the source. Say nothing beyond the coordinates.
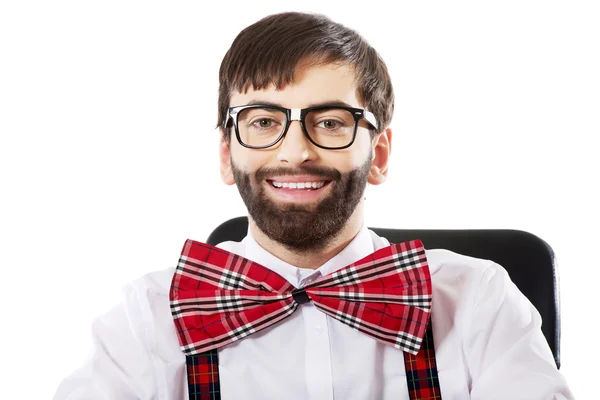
(298, 185)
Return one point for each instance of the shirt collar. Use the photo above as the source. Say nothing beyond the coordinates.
(360, 247)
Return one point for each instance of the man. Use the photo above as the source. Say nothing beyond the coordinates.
(304, 112)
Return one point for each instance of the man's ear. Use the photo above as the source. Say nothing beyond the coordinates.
(225, 161)
(382, 148)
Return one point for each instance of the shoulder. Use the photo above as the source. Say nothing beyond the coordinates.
(469, 274)
(445, 262)
(457, 279)
(466, 281)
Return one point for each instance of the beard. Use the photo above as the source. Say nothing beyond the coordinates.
(303, 227)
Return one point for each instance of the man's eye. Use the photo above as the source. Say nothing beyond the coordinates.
(264, 123)
(329, 124)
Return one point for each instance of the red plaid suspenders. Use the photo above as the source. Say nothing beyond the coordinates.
(421, 373)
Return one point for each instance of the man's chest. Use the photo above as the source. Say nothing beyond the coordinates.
(313, 356)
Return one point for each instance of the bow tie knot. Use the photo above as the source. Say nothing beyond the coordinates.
(299, 295)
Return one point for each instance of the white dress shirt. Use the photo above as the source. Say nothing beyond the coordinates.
(487, 336)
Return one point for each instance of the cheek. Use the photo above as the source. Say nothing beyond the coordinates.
(364, 148)
(248, 160)
(353, 157)
(346, 162)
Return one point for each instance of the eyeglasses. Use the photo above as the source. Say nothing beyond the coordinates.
(259, 126)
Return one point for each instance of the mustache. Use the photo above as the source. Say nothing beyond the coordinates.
(327, 173)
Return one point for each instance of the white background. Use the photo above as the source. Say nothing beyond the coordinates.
(108, 152)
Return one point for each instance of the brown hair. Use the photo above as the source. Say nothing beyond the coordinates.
(268, 52)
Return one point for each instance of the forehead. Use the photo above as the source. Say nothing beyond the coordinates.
(312, 85)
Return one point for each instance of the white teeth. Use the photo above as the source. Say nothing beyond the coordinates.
(298, 185)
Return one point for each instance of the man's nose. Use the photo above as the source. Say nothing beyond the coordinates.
(295, 147)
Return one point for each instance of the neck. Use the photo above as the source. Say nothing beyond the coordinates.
(311, 259)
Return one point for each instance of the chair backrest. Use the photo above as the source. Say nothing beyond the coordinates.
(528, 260)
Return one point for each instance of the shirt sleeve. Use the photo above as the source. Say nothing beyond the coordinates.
(507, 353)
(119, 366)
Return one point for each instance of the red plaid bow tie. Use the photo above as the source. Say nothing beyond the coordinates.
(218, 297)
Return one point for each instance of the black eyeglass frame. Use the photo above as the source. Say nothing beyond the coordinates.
(299, 114)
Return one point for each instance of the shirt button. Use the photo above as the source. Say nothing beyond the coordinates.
(318, 330)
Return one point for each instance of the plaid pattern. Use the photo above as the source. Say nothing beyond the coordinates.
(219, 297)
(421, 371)
(203, 376)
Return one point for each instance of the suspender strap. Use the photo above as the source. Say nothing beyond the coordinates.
(421, 371)
(203, 376)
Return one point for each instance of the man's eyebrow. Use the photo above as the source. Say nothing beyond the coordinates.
(330, 103)
(263, 102)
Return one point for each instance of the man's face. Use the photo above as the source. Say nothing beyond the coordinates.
(329, 184)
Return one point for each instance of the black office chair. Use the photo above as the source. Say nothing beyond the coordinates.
(528, 259)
